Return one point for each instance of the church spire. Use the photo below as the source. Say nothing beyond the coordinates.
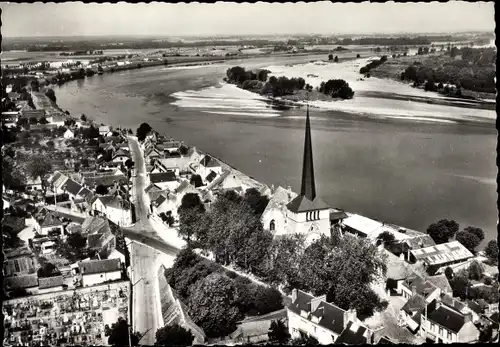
(308, 188)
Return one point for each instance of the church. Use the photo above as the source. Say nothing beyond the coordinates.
(306, 213)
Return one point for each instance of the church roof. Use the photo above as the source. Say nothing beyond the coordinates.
(308, 187)
(302, 204)
(307, 200)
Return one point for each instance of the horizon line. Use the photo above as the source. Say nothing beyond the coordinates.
(254, 35)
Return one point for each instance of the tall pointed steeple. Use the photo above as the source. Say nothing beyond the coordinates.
(308, 188)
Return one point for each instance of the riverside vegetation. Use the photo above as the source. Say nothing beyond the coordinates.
(287, 88)
(457, 72)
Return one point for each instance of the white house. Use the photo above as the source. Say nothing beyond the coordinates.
(323, 321)
(49, 223)
(33, 184)
(99, 271)
(166, 202)
(56, 182)
(208, 164)
(443, 324)
(169, 146)
(105, 130)
(164, 180)
(57, 120)
(114, 207)
(226, 181)
(68, 134)
(415, 284)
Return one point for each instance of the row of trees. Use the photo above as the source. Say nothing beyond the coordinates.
(475, 71)
(239, 75)
(337, 88)
(280, 86)
(372, 65)
(216, 298)
(258, 82)
(444, 230)
(231, 229)
(331, 58)
(386, 41)
(425, 50)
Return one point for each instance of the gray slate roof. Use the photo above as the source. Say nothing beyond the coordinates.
(50, 282)
(26, 281)
(99, 266)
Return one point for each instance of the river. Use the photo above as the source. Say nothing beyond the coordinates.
(411, 173)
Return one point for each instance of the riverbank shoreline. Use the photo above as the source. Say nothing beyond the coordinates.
(372, 87)
(235, 164)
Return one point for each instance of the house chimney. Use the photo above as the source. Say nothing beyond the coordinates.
(468, 317)
(414, 289)
(294, 295)
(350, 316)
(316, 301)
(438, 304)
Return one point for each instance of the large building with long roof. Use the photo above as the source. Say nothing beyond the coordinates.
(441, 255)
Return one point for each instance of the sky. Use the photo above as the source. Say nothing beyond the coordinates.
(224, 18)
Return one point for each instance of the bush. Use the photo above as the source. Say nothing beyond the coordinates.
(252, 85)
(47, 270)
(174, 335)
(337, 88)
(231, 274)
(491, 251)
(267, 300)
(469, 240)
(387, 238)
(278, 332)
(475, 270)
(373, 64)
(487, 281)
(430, 86)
